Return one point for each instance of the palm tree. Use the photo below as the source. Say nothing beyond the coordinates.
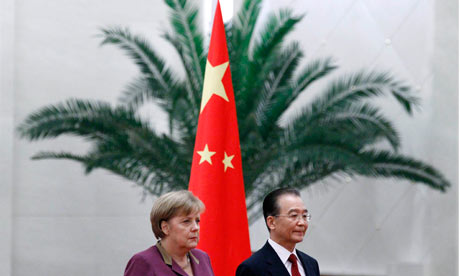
(334, 134)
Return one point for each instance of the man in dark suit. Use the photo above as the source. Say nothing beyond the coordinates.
(287, 221)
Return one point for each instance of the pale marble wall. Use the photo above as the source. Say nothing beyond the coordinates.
(57, 221)
(6, 127)
(388, 227)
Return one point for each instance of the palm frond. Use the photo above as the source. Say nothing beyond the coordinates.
(356, 125)
(278, 77)
(243, 26)
(137, 92)
(313, 71)
(365, 124)
(264, 55)
(154, 181)
(186, 122)
(239, 37)
(286, 95)
(188, 39)
(136, 153)
(273, 34)
(387, 164)
(59, 155)
(307, 157)
(363, 85)
(158, 161)
(72, 117)
(92, 120)
(192, 85)
(152, 66)
(302, 167)
(123, 165)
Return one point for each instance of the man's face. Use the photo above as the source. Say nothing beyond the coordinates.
(287, 229)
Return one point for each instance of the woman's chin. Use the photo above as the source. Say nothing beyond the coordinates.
(192, 243)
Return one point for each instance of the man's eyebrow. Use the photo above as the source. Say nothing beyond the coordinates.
(298, 210)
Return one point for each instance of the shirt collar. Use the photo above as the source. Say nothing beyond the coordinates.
(168, 259)
(282, 252)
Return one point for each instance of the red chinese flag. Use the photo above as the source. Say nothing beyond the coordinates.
(217, 175)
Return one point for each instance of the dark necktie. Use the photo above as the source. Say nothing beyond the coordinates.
(294, 267)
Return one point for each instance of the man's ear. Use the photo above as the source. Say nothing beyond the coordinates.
(164, 227)
(271, 222)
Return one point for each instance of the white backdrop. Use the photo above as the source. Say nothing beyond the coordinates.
(57, 221)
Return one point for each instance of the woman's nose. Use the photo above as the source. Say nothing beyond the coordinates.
(195, 225)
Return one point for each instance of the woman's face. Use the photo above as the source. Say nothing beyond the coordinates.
(183, 230)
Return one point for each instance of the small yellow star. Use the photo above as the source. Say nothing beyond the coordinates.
(213, 83)
(227, 161)
(206, 155)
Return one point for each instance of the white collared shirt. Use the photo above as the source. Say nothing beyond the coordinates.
(284, 254)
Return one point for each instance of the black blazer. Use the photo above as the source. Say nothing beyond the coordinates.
(266, 262)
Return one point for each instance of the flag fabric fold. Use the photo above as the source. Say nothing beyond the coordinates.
(217, 175)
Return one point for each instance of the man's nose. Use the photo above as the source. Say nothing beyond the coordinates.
(302, 222)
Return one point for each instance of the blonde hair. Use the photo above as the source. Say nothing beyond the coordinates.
(170, 205)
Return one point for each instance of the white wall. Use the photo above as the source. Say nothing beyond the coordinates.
(388, 227)
(59, 221)
(66, 223)
(7, 126)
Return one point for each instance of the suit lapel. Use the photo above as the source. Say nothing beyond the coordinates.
(306, 265)
(176, 268)
(274, 265)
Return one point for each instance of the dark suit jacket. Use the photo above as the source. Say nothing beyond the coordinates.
(151, 262)
(266, 262)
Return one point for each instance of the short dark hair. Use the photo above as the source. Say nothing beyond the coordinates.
(270, 205)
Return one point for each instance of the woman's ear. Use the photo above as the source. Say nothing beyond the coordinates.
(164, 227)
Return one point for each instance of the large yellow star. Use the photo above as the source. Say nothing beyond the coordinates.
(227, 161)
(213, 82)
(206, 155)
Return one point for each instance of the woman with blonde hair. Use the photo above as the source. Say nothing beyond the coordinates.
(175, 219)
